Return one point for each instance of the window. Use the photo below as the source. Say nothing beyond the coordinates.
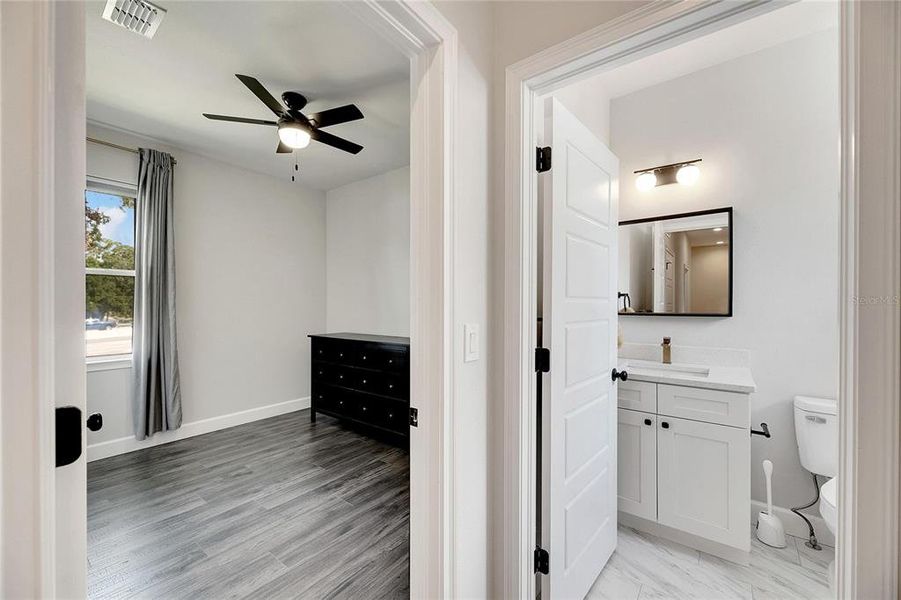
(109, 218)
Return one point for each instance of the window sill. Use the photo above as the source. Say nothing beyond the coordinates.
(108, 363)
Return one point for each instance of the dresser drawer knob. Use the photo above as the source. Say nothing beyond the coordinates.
(364, 357)
(364, 381)
(340, 376)
(364, 409)
(340, 355)
(340, 402)
(390, 386)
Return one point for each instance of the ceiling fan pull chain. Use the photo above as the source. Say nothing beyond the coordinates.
(295, 164)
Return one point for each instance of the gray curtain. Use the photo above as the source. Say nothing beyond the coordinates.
(157, 398)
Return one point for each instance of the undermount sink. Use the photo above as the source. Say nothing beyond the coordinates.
(647, 366)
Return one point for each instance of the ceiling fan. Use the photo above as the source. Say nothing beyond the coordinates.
(295, 130)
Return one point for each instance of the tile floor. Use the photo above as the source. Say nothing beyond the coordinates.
(644, 567)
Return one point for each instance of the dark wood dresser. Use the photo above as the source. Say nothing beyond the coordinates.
(363, 379)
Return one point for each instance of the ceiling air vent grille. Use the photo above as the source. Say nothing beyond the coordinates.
(139, 16)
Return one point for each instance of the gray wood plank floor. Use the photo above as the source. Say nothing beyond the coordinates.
(279, 508)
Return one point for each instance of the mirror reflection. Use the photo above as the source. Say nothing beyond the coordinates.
(677, 265)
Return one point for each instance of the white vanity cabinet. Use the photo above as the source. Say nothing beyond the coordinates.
(684, 465)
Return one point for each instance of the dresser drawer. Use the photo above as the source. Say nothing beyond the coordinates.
(395, 385)
(709, 406)
(331, 400)
(637, 395)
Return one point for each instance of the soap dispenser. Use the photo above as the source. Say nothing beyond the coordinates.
(667, 351)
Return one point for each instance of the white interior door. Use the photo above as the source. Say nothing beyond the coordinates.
(579, 203)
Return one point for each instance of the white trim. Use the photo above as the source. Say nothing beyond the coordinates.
(872, 506)
(123, 445)
(867, 559)
(114, 187)
(795, 525)
(108, 363)
(112, 272)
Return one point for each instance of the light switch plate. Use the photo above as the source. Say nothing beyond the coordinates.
(471, 342)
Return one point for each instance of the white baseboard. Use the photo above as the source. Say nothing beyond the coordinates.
(130, 444)
(795, 525)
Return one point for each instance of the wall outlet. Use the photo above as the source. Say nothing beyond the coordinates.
(470, 342)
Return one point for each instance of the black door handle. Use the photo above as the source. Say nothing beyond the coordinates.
(95, 422)
(648, 422)
(665, 425)
(623, 375)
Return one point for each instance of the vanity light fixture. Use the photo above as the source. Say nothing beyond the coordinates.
(685, 173)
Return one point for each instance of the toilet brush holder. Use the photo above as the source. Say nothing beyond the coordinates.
(769, 527)
(770, 530)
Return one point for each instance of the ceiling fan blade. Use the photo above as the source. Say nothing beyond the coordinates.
(336, 116)
(238, 119)
(262, 93)
(283, 148)
(335, 142)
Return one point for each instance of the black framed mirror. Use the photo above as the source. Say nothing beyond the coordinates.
(677, 265)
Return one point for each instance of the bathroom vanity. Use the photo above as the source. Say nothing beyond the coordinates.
(684, 454)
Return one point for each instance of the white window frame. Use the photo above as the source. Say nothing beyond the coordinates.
(108, 362)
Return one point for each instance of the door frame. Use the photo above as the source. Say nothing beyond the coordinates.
(42, 159)
(870, 269)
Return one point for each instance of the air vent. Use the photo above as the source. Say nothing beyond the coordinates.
(139, 16)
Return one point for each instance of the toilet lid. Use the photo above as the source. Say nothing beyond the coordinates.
(827, 492)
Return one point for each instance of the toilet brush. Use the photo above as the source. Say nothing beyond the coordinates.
(769, 527)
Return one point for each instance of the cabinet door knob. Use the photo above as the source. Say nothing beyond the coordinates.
(665, 425)
(623, 375)
(648, 422)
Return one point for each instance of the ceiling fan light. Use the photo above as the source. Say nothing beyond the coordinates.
(293, 135)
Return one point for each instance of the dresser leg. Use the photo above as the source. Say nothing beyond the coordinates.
(312, 416)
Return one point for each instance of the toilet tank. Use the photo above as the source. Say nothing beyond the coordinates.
(816, 428)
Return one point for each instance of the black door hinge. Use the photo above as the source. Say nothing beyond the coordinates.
(414, 417)
(543, 159)
(542, 360)
(542, 561)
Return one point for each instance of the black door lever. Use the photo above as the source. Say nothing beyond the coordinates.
(622, 375)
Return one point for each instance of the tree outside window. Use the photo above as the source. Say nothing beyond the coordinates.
(109, 269)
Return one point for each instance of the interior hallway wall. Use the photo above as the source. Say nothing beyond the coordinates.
(250, 277)
(368, 255)
(767, 128)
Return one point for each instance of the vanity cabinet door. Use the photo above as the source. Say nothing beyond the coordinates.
(636, 471)
(703, 480)
(637, 395)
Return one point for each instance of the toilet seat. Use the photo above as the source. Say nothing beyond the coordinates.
(828, 505)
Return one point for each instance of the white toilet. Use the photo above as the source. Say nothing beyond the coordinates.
(816, 428)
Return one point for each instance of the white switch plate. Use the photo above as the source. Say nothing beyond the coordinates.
(470, 342)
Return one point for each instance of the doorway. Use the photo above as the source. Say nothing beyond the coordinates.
(527, 81)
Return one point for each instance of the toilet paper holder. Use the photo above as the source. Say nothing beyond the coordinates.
(764, 431)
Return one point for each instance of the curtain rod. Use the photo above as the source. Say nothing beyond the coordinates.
(118, 147)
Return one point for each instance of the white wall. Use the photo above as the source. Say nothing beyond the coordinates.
(250, 277)
(368, 255)
(767, 128)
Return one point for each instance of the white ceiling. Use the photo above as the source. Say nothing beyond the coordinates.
(779, 26)
(160, 87)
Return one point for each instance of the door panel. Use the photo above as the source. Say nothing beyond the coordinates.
(636, 481)
(703, 479)
(579, 200)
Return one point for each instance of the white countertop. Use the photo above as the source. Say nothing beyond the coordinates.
(727, 379)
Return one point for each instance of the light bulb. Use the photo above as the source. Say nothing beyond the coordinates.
(646, 181)
(293, 135)
(688, 174)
